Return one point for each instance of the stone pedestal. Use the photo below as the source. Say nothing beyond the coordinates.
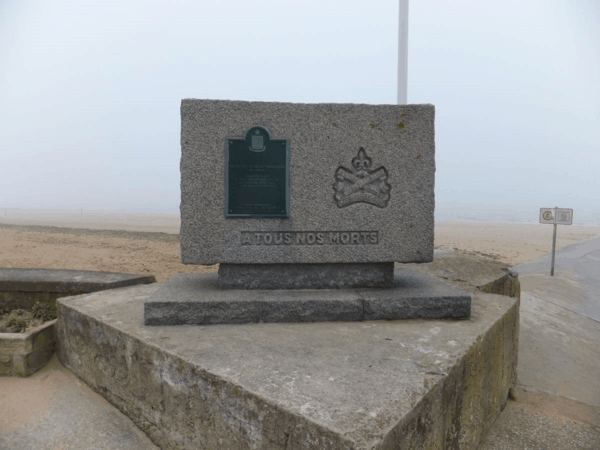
(383, 384)
(195, 299)
(306, 276)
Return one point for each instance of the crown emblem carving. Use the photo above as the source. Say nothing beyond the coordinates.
(360, 184)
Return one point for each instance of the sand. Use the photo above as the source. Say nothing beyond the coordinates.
(511, 243)
(149, 243)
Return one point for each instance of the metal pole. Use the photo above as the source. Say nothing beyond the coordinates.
(553, 245)
(403, 53)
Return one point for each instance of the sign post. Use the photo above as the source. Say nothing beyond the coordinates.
(555, 216)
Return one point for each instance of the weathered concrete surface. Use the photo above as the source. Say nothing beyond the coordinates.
(22, 354)
(21, 288)
(306, 276)
(344, 385)
(487, 275)
(195, 299)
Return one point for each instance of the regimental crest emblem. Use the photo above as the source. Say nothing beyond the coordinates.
(360, 184)
(257, 141)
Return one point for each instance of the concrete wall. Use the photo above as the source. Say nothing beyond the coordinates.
(179, 384)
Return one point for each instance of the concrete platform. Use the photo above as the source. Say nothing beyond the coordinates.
(195, 299)
(343, 385)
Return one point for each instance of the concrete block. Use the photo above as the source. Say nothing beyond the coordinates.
(382, 385)
(15, 344)
(24, 353)
(347, 205)
(22, 288)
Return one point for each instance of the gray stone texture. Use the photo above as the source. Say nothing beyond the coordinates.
(323, 138)
(195, 299)
(409, 384)
(306, 276)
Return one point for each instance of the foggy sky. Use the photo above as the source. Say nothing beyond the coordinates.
(90, 92)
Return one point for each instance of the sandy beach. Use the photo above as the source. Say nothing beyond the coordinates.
(149, 243)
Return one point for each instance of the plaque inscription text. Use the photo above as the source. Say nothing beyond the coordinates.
(310, 238)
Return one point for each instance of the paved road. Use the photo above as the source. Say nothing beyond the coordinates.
(559, 344)
(558, 401)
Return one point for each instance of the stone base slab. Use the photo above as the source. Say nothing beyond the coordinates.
(195, 299)
(306, 276)
(407, 384)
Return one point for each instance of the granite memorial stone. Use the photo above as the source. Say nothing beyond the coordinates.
(310, 205)
(360, 183)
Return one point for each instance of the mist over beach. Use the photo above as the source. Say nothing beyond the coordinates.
(90, 94)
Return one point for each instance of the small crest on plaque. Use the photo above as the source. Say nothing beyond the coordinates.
(257, 141)
(360, 184)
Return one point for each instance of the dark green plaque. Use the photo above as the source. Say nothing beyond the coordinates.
(257, 182)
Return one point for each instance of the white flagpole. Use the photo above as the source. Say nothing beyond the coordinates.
(403, 53)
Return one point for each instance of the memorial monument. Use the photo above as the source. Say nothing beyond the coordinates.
(306, 207)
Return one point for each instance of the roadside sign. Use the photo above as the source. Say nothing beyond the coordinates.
(561, 216)
(555, 216)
